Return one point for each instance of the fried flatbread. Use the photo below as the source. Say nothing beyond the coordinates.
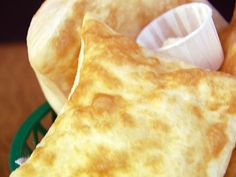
(54, 41)
(133, 114)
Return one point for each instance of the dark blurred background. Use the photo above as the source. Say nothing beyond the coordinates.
(20, 93)
(225, 7)
(15, 16)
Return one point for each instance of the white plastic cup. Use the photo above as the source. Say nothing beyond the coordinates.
(197, 39)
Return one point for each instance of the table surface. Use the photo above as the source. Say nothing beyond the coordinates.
(20, 94)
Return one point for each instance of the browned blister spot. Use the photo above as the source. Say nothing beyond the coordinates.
(196, 111)
(146, 71)
(150, 62)
(160, 126)
(188, 76)
(104, 103)
(217, 97)
(201, 168)
(106, 162)
(154, 163)
(44, 155)
(107, 108)
(212, 105)
(217, 138)
(100, 73)
(112, 18)
(127, 120)
(146, 144)
(81, 121)
(184, 77)
(150, 76)
(50, 158)
(152, 95)
(104, 123)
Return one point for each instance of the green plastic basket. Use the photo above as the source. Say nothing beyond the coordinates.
(30, 133)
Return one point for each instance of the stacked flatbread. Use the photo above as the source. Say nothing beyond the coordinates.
(54, 40)
(133, 114)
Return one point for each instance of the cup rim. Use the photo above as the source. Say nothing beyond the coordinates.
(188, 36)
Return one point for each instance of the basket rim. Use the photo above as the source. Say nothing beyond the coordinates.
(23, 132)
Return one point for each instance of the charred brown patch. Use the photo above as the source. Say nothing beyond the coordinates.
(196, 111)
(159, 125)
(127, 120)
(107, 162)
(154, 163)
(217, 138)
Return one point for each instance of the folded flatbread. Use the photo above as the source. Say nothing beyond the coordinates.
(133, 114)
(54, 41)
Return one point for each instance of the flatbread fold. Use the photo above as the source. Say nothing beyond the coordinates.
(54, 41)
(134, 114)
